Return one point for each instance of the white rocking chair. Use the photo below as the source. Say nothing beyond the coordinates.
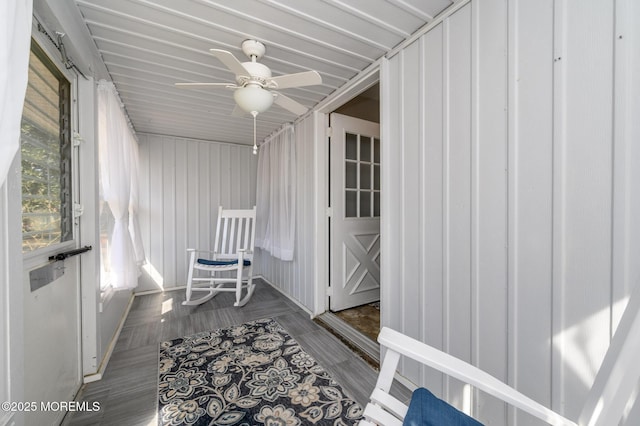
(613, 387)
(233, 251)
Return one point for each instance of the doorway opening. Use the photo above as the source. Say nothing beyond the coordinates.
(354, 224)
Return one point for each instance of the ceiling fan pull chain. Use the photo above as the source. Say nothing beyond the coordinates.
(255, 146)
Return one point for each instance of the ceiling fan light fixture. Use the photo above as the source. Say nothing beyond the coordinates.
(253, 99)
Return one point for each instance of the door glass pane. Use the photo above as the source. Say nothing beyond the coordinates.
(351, 175)
(376, 177)
(365, 176)
(351, 203)
(376, 204)
(376, 150)
(365, 148)
(46, 156)
(365, 204)
(351, 147)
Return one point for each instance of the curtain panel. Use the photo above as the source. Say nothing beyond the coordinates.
(15, 21)
(118, 152)
(275, 195)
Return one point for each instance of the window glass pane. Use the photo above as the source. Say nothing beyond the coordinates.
(46, 156)
(351, 146)
(376, 150)
(365, 204)
(351, 203)
(365, 176)
(376, 204)
(351, 175)
(376, 177)
(365, 148)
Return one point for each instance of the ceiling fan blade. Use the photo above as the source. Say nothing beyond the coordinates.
(307, 78)
(289, 104)
(230, 62)
(207, 85)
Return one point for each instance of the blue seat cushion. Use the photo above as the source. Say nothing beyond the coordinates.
(222, 262)
(426, 409)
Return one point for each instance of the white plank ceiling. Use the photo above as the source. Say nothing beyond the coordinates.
(148, 45)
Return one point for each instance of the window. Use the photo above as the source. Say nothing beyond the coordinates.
(362, 176)
(45, 144)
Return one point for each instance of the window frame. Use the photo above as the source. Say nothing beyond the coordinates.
(41, 46)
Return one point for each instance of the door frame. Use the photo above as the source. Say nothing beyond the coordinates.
(344, 230)
(29, 261)
(357, 85)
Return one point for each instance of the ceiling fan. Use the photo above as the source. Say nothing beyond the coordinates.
(255, 88)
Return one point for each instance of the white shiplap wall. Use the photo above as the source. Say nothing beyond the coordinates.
(296, 278)
(182, 183)
(512, 130)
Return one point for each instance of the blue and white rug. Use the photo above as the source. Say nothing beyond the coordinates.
(250, 374)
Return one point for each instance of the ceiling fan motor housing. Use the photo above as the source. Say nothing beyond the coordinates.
(259, 74)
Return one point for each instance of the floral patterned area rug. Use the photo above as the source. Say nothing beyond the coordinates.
(250, 374)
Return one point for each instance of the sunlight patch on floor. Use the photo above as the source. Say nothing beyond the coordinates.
(167, 306)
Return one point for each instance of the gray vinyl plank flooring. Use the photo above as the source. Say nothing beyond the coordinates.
(127, 392)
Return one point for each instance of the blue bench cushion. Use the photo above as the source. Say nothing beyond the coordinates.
(426, 409)
(222, 262)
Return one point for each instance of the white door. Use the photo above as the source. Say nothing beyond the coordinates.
(51, 289)
(355, 218)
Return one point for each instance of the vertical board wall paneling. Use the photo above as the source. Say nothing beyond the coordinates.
(626, 201)
(390, 193)
(183, 182)
(192, 189)
(458, 187)
(296, 278)
(627, 153)
(530, 163)
(181, 233)
(432, 200)
(155, 250)
(205, 210)
(489, 291)
(582, 197)
(168, 209)
(411, 194)
(143, 208)
(530, 200)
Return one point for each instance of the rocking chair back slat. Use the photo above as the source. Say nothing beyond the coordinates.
(232, 234)
(241, 230)
(223, 248)
(246, 235)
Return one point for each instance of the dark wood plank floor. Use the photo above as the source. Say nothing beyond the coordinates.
(128, 391)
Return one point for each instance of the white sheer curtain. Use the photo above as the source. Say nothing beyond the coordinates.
(275, 195)
(15, 24)
(119, 176)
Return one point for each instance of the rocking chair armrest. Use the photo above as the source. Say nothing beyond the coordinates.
(454, 367)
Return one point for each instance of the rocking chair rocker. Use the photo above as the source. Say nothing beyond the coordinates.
(233, 251)
(614, 385)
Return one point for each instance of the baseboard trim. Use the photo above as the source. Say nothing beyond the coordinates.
(90, 378)
(288, 296)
